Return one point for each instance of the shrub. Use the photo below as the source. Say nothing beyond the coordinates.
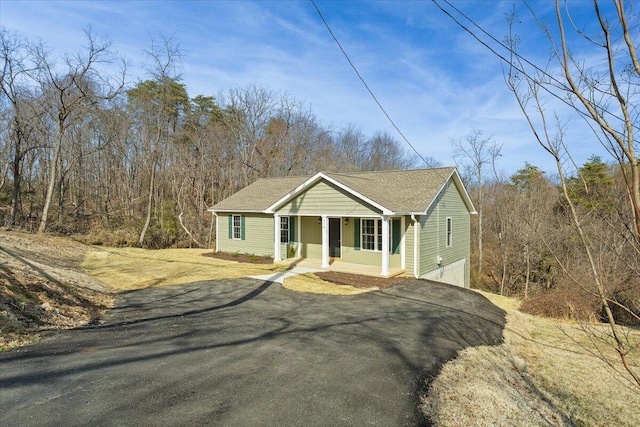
(570, 303)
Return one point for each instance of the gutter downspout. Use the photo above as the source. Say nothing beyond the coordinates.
(415, 246)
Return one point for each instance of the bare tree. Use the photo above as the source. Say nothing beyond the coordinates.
(249, 112)
(386, 153)
(69, 95)
(606, 99)
(14, 86)
(476, 154)
(158, 103)
(351, 149)
(593, 73)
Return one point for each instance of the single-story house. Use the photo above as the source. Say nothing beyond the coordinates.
(414, 220)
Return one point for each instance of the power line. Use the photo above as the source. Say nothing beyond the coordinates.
(558, 84)
(366, 85)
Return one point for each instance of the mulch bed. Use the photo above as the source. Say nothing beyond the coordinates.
(358, 280)
(238, 257)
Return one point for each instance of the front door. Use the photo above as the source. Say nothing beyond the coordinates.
(334, 238)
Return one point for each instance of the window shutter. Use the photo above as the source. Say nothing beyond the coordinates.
(396, 235)
(356, 234)
(292, 229)
(230, 226)
(241, 227)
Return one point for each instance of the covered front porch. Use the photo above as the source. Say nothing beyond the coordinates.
(367, 244)
(339, 266)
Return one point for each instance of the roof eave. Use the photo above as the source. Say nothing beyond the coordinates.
(465, 194)
(236, 210)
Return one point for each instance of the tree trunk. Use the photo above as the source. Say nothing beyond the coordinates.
(528, 271)
(635, 193)
(16, 169)
(52, 181)
(480, 237)
(503, 258)
(149, 204)
(61, 191)
(187, 231)
(4, 176)
(16, 204)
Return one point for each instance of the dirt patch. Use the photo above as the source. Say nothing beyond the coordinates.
(359, 281)
(248, 258)
(42, 287)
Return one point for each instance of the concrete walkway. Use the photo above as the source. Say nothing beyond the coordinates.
(339, 266)
(282, 275)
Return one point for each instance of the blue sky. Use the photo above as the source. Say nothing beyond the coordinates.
(434, 80)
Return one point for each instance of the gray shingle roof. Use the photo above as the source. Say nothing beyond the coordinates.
(404, 191)
(260, 195)
(398, 191)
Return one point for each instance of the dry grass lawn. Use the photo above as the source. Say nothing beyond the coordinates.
(133, 268)
(544, 374)
(312, 284)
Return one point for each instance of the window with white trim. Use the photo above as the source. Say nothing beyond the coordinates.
(237, 227)
(449, 232)
(371, 235)
(284, 229)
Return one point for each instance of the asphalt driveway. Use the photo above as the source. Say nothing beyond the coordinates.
(245, 352)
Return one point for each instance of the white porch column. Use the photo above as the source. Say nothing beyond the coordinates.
(403, 244)
(385, 245)
(217, 248)
(276, 238)
(298, 220)
(325, 241)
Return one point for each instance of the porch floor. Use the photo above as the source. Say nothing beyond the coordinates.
(341, 267)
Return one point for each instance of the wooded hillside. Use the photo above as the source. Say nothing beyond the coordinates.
(530, 249)
(82, 152)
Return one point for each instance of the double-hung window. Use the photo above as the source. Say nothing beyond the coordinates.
(284, 229)
(369, 234)
(449, 232)
(237, 227)
(372, 235)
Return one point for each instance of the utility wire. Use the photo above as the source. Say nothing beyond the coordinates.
(366, 85)
(492, 37)
(559, 83)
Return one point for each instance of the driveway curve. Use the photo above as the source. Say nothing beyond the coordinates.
(245, 352)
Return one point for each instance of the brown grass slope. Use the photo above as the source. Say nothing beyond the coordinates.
(545, 374)
(42, 287)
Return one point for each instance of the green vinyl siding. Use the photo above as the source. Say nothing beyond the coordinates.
(351, 252)
(288, 250)
(257, 236)
(327, 199)
(369, 257)
(311, 237)
(433, 235)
